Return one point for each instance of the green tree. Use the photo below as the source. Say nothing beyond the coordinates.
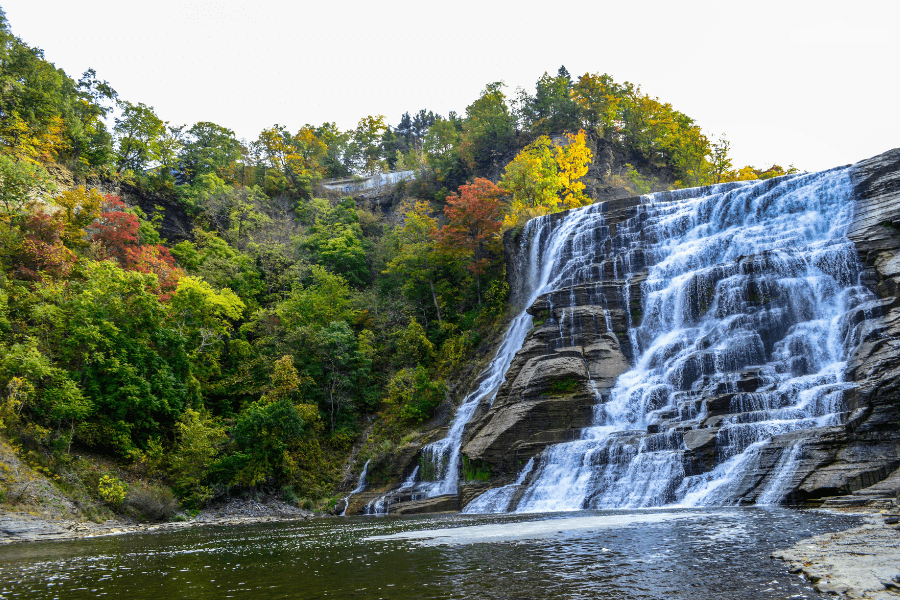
(416, 257)
(364, 149)
(199, 439)
(208, 149)
(553, 108)
(138, 132)
(416, 393)
(19, 182)
(488, 128)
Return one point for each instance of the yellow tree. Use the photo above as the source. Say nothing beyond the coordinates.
(545, 178)
(532, 182)
(573, 160)
(79, 209)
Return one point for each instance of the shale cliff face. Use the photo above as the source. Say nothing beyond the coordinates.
(585, 337)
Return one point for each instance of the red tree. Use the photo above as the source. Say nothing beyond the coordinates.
(158, 260)
(42, 250)
(474, 217)
(118, 231)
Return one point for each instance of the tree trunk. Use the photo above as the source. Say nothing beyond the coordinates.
(434, 297)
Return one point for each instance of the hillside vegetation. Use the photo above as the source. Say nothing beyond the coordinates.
(288, 323)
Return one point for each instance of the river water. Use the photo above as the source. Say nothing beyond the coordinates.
(690, 553)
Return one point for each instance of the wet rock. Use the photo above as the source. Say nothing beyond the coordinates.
(436, 504)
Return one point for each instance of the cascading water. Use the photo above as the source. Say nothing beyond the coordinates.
(360, 486)
(742, 334)
(499, 499)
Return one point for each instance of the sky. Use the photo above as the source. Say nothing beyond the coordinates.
(815, 84)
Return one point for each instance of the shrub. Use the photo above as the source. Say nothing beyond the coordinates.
(112, 490)
(564, 386)
(154, 501)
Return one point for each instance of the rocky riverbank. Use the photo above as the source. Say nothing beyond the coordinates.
(22, 527)
(863, 562)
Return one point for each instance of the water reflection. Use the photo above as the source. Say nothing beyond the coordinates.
(663, 554)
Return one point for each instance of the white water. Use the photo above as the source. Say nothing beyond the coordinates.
(708, 317)
(360, 486)
(410, 481)
(498, 499)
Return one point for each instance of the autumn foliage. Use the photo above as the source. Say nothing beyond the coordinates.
(474, 218)
(117, 232)
(41, 251)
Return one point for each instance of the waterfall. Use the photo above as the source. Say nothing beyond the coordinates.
(742, 338)
(360, 486)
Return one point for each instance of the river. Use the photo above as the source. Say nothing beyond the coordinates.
(695, 554)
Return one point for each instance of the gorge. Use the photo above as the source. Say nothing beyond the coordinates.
(729, 344)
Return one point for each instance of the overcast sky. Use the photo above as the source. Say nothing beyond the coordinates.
(813, 83)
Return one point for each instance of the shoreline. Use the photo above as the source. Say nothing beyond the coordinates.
(860, 562)
(23, 527)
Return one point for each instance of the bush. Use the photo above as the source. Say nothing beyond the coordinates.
(416, 393)
(112, 490)
(156, 502)
(564, 386)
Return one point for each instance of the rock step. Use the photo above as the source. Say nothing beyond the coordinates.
(858, 502)
(448, 503)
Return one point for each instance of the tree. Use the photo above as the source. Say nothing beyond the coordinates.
(488, 128)
(199, 438)
(346, 368)
(532, 181)
(41, 251)
(333, 161)
(598, 98)
(416, 257)
(138, 131)
(325, 300)
(295, 157)
(109, 329)
(573, 159)
(474, 218)
(552, 109)
(117, 229)
(80, 207)
(441, 148)
(208, 149)
(19, 181)
(416, 393)
(364, 150)
(335, 241)
(545, 178)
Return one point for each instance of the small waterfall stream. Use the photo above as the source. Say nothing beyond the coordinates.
(360, 486)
